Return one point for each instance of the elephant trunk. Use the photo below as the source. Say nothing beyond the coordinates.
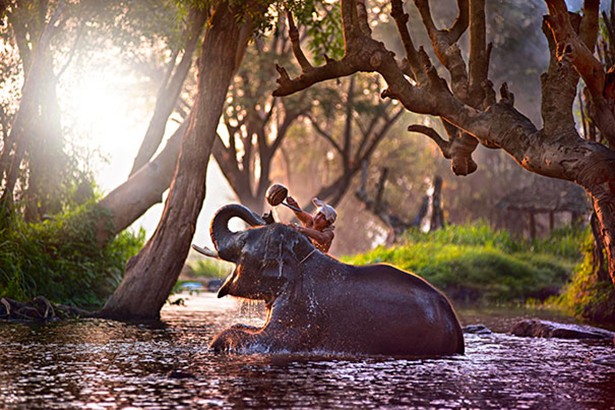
(224, 240)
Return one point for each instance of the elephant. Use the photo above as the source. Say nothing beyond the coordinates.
(315, 303)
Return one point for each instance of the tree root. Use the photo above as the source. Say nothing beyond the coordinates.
(39, 309)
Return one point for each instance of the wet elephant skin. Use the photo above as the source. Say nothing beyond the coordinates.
(316, 303)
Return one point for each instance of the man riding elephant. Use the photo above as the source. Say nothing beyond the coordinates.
(318, 227)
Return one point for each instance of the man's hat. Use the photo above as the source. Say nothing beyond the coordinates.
(327, 210)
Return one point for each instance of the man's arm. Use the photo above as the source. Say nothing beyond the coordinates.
(304, 217)
(324, 239)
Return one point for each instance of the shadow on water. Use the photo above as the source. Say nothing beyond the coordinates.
(103, 364)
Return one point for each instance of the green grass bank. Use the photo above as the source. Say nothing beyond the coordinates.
(474, 264)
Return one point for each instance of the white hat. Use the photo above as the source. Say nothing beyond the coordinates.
(327, 210)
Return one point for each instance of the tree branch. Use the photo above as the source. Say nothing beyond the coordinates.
(293, 33)
(432, 134)
(401, 20)
(445, 47)
(325, 135)
(571, 46)
(559, 85)
(356, 46)
(458, 149)
(478, 62)
(460, 25)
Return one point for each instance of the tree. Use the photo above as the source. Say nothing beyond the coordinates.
(256, 123)
(33, 161)
(152, 273)
(466, 102)
(35, 135)
(364, 125)
(171, 86)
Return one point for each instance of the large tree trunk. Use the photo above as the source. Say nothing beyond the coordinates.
(151, 274)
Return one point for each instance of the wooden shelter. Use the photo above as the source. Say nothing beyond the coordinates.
(547, 196)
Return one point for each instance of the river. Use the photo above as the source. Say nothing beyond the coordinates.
(99, 364)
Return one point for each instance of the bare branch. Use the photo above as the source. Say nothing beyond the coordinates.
(362, 18)
(433, 134)
(401, 20)
(559, 85)
(460, 25)
(293, 33)
(458, 149)
(73, 50)
(332, 69)
(325, 135)
(507, 96)
(478, 62)
(571, 46)
(445, 47)
(365, 150)
(361, 53)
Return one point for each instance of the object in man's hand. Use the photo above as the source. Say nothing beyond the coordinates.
(276, 194)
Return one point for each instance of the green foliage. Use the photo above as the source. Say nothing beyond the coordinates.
(60, 259)
(475, 264)
(324, 29)
(586, 296)
(210, 268)
(476, 234)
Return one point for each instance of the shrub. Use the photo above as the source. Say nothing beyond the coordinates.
(60, 259)
(587, 297)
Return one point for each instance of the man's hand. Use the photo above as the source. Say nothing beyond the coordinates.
(297, 228)
(291, 201)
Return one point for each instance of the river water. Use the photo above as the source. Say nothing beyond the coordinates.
(100, 364)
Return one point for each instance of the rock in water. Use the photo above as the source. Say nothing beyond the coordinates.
(478, 329)
(545, 328)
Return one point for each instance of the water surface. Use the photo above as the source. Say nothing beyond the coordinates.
(101, 364)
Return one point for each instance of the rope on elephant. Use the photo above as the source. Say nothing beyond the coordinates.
(38, 309)
(306, 258)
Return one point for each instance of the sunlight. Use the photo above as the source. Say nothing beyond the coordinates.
(109, 113)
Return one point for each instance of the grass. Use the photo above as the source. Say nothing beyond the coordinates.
(476, 264)
(210, 268)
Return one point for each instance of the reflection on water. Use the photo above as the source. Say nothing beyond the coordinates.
(104, 364)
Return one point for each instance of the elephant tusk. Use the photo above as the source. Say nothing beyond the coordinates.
(206, 251)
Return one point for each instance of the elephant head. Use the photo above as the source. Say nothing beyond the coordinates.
(266, 257)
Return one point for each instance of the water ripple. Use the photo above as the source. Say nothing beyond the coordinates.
(99, 364)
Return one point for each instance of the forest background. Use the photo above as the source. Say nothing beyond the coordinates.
(318, 142)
